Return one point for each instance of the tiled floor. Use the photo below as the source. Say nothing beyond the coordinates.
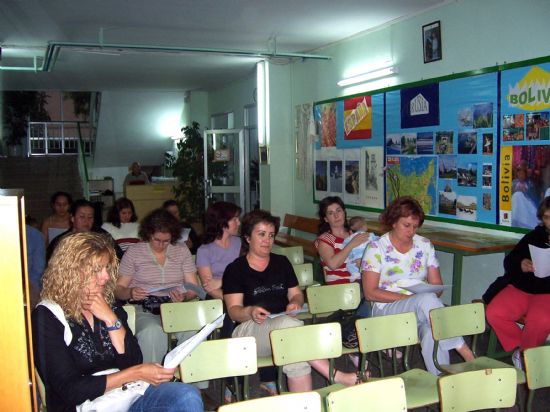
(541, 403)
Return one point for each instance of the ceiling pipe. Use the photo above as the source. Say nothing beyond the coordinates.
(52, 52)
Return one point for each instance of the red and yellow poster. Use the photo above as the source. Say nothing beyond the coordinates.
(358, 118)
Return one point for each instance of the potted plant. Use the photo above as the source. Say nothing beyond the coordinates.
(18, 108)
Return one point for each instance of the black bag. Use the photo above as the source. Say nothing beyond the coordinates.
(152, 303)
(347, 323)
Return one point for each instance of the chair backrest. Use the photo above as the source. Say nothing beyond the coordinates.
(329, 298)
(475, 390)
(386, 395)
(220, 358)
(385, 332)
(458, 320)
(189, 316)
(294, 253)
(537, 367)
(306, 343)
(292, 402)
(41, 390)
(304, 274)
(131, 312)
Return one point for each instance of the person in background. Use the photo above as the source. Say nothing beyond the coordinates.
(188, 236)
(399, 258)
(122, 223)
(525, 295)
(60, 220)
(78, 330)
(82, 220)
(36, 261)
(357, 224)
(152, 272)
(136, 176)
(261, 283)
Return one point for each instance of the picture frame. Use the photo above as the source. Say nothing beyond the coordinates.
(431, 42)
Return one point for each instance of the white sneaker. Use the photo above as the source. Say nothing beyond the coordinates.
(517, 360)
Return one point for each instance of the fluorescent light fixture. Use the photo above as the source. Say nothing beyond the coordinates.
(364, 77)
(262, 101)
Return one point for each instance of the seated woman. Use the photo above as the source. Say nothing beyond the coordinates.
(60, 220)
(526, 295)
(334, 248)
(397, 258)
(152, 272)
(122, 223)
(260, 283)
(78, 331)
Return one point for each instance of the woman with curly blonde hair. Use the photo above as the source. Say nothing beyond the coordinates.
(79, 331)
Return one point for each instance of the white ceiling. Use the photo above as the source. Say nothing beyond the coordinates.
(292, 26)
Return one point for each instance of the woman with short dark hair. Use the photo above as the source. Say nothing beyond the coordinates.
(399, 259)
(153, 272)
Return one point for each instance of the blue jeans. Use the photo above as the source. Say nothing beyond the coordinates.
(169, 397)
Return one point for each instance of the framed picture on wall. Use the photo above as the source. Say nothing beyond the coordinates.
(431, 41)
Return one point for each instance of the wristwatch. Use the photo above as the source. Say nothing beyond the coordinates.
(116, 326)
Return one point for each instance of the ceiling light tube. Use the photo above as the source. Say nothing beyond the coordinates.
(364, 77)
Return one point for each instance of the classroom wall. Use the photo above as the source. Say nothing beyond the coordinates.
(475, 34)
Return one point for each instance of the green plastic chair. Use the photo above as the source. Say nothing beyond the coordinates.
(41, 391)
(307, 343)
(188, 316)
(294, 253)
(537, 370)
(220, 358)
(304, 274)
(291, 402)
(380, 333)
(131, 312)
(387, 395)
(475, 390)
(464, 320)
(323, 300)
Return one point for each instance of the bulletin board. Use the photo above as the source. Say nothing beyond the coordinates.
(472, 148)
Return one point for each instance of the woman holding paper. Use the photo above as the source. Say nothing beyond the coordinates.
(154, 272)
(260, 284)
(79, 331)
(526, 296)
(401, 258)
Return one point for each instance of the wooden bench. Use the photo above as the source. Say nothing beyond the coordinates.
(301, 224)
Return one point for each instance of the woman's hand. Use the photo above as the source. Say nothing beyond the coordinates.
(292, 307)
(138, 294)
(527, 266)
(212, 284)
(155, 374)
(176, 295)
(359, 239)
(258, 314)
(95, 303)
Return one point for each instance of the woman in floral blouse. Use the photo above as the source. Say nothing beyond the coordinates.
(399, 259)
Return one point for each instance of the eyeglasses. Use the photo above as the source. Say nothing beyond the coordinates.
(161, 241)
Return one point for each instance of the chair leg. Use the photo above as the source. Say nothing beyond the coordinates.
(530, 399)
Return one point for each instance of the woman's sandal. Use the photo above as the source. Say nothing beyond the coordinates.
(270, 388)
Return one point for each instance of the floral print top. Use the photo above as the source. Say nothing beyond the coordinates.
(399, 269)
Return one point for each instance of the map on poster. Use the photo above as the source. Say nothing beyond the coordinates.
(414, 176)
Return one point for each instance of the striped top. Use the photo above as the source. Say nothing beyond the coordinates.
(125, 235)
(341, 274)
(140, 264)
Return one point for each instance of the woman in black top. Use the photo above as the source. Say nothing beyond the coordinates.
(260, 283)
(78, 331)
(526, 296)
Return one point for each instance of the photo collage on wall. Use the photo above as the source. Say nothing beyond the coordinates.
(451, 144)
(525, 144)
(440, 147)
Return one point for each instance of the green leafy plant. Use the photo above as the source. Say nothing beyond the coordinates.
(18, 108)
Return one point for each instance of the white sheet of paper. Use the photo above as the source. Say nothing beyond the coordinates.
(425, 288)
(541, 261)
(305, 308)
(167, 290)
(178, 354)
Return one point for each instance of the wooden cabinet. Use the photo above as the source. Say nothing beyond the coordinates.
(149, 197)
(16, 355)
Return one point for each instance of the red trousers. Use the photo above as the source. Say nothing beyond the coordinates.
(509, 305)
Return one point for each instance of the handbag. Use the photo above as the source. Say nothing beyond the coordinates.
(152, 303)
(116, 400)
